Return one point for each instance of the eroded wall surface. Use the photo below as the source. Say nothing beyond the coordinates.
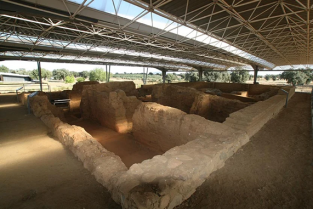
(164, 181)
(192, 101)
(112, 108)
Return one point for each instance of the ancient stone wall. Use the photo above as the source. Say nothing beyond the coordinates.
(40, 106)
(164, 181)
(215, 108)
(175, 96)
(128, 87)
(161, 128)
(80, 85)
(251, 119)
(193, 101)
(112, 109)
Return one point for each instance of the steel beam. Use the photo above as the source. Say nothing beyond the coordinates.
(39, 75)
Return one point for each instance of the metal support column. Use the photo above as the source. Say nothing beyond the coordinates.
(106, 73)
(109, 74)
(143, 76)
(200, 70)
(163, 75)
(256, 69)
(39, 74)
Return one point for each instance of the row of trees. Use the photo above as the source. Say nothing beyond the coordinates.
(58, 74)
(237, 76)
(241, 76)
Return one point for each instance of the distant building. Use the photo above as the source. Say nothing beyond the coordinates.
(11, 77)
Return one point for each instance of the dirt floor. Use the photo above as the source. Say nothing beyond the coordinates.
(123, 145)
(274, 170)
(36, 171)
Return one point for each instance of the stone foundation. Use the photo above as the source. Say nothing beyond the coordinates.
(164, 181)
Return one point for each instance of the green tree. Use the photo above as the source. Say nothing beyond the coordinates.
(239, 75)
(22, 71)
(60, 74)
(171, 77)
(80, 79)
(191, 77)
(84, 74)
(74, 73)
(97, 74)
(297, 77)
(4, 69)
(69, 79)
(216, 76)
(45, 74)
(267, 77)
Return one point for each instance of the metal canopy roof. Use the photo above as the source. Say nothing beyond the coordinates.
(278, 31)
(214, 34)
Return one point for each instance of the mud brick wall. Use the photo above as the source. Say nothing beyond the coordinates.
(80, 85)
(230, 87)
(162, 128)
(22, 97)
(191, 101)
(101, 163)
(215, 108)
(174, 96)
(40, 106)
(111, 109)
(128, 87)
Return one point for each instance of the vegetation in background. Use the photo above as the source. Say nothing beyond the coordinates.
(171, 77)
(191, 77)
(139, 76)
(80, 79)
(45, 74)
(216, 76)
(97, 74)
(4, 69)
(69, 79)
(60, 74)
(74, 73)
(239, 75)
(84, 74)
(297, 77)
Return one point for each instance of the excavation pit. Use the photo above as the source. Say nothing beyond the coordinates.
(188, 147)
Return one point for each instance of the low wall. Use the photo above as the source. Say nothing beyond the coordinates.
(79, 86)
(128, 87)
(192, 101)
(40, 106)
(75, 95)
(174, 96)
(215, 108)
(22, 97)
(162, 128)
(111, 109)
(251, 119)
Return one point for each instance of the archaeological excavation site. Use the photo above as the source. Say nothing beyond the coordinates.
(152, 147)
(156, 104)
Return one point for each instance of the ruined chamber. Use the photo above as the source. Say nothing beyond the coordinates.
(189, 130)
